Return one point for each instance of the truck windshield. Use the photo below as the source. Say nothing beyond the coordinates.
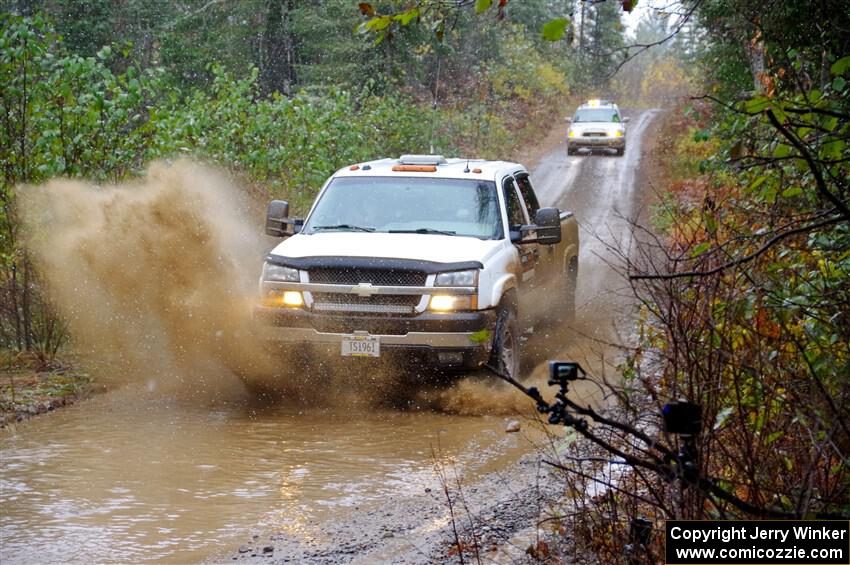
(408, 205)
(597, 115)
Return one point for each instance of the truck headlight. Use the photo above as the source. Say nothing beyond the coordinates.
(457, 278)
(618, 133)
(451, 302)
(279, 273)
(571, 133)
(287, 298)
(292, 298)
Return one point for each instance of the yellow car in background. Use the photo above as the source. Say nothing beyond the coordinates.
(597, 124)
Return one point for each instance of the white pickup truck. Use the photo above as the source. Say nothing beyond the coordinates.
(429, 257)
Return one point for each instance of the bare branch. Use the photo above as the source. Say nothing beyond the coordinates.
(746, 259)
(821, 184)
(641, 47)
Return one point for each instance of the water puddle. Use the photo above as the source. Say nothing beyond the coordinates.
(116, 479)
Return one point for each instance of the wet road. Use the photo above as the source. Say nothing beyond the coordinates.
(133, 475)
(606, 194)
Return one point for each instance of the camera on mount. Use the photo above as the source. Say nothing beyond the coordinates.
(682, 418)
(562, 372)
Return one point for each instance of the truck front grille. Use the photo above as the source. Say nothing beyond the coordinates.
(594, 134)
(378, 304)
(377, 277)
(362, 308)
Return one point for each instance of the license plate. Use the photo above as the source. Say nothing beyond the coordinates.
(365, 346)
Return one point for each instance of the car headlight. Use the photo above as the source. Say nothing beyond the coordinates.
(457, 278)
(286, 298)
(571, 133)
(451, 303)
(618, 133)
(279, 273)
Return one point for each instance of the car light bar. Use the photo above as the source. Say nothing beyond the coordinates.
(422, 160)
(415, 168)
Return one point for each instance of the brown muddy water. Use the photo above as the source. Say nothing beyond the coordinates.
(129, 477)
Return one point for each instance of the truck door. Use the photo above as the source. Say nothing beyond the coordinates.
(517, 216)
(544, 255)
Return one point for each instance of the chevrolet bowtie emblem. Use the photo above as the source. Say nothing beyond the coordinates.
(364, 290)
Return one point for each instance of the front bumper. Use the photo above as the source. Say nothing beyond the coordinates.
(427, 334)
(591, 142)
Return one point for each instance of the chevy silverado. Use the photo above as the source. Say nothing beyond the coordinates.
(421, 255)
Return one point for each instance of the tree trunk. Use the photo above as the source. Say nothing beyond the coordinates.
(755, 54)
(26, 304)
(278, 72)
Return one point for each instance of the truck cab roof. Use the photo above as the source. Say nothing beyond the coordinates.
(434, 166)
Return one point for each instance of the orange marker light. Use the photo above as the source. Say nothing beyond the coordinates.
(415, 168)
(353, 167)
(477, 171)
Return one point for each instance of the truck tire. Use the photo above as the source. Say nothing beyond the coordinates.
(505, 355)
(620, 151)
(570, 150)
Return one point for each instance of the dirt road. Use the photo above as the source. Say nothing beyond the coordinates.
(137, 474)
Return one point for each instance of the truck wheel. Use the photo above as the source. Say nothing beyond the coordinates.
(505, 355)
(620, 151)
(570, 151)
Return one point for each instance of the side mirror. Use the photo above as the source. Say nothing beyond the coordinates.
(626, 119)
(278, 221)
(568, 120)
(548, 226)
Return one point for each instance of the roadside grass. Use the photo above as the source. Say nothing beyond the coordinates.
(28, 389)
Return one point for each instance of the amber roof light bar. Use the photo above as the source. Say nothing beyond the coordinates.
(415, 168)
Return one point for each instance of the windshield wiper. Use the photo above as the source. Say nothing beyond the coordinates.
(424, 230)
(343, 227)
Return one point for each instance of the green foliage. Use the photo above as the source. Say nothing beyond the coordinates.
(603, 41)
(482, 5)
(766, 341)
(536, 15)
(555, 29)
(750, 308)
(841, 66)
(283, 142)
(70, 115)
(65, 114)
(523, 73)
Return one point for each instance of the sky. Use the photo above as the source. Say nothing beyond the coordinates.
(646, 9)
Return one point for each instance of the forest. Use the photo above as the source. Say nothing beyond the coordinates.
(743, 270)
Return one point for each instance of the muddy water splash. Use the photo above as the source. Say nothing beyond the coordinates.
(156, 278)
(158, 272)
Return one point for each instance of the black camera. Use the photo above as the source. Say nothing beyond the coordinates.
(564, 371)
(682, 418)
